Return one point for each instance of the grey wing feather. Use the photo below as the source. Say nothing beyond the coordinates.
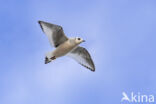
(83, 57)
(54, 32)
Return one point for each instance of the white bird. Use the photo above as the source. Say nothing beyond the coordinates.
(65, 46)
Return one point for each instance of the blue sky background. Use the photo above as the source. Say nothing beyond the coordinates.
(120, 36)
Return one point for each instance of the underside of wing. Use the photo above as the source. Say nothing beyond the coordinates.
(54, 32)
(82, 56)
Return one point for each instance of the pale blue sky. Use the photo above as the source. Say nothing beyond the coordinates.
(120, 36)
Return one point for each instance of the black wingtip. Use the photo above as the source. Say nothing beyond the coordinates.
(39, 22)
(40, 25)
(93, 70)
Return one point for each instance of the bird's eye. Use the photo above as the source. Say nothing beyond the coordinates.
(78, 38)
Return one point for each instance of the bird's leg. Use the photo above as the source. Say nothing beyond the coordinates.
(47, 60)
(53, 58)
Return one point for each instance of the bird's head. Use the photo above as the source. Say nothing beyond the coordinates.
(79, 40)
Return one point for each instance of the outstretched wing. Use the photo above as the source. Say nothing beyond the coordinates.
(82, 56)
(54, 32)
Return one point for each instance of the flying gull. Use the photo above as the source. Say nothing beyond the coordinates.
(65, 46)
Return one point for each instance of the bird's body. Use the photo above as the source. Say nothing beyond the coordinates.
(65, 46)
(63, 49)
